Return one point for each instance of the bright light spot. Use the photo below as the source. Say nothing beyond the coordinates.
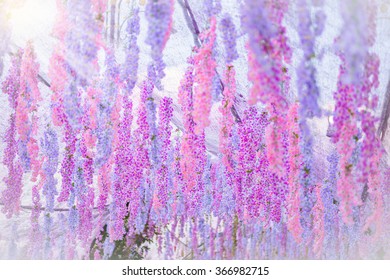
(32, 18)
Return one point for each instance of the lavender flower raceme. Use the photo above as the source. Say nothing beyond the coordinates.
(131, 168)
(26, 117)
(68, 164)
(310, 27)
(308, 91)
(109, 94)
(112, 165)
(229, 35)
(318, 228)
(227, 121)
(13, 181)
(250, 164)
(330, 201)
(159, 16)
(124, 161)
(164, 135)
(50, 150)
(147, 98)
(80, 41)
(123, 191)
(57, 66)
(130, 67)
(212, 7)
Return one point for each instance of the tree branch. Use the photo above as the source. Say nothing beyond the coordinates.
(385, 114)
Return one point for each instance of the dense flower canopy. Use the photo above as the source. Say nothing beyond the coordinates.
(110, 150)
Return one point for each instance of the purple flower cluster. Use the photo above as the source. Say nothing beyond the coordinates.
(80, 40)
(308, 92)
(68, 164)
(159, 16)
(147, 98)
(12, 194)
(13, 181)
(130, 67)
(212, 7)
(229, 35)
(50, 150)
(331, 202)
(164, 135)
(255, 21)
(353, 119)
(250, 160)
(123, 190)
(107, 99)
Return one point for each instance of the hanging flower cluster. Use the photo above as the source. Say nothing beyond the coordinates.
(354, 120)
(159, 15)
(311, 25)
(227, 121)
(11, 195)
(295, 166)
(268, 54)
(204, 71)
(115, 171)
